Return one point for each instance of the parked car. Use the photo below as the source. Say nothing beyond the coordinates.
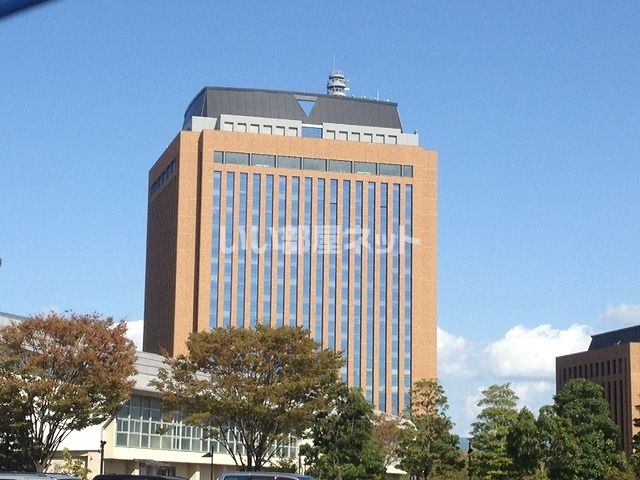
(263, 476)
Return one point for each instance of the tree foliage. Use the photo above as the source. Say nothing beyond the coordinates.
(256, 387)
(524, 445)
(490, 460)
(341, 434)
(387, 434)
(60, 373)
(581, 438)
(427, 446)
(73, 467)
(634, 459)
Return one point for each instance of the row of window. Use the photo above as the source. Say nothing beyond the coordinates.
(316, 164)
(328, 235)
(140, 424)
(164, 176)
(309, 132)
(594, 370)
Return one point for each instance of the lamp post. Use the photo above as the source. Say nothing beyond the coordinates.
(210, 454)
(102, 444)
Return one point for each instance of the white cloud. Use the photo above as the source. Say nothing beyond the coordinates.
(533, 394)
(530, 353)
(453, 355)
(134, 332)
(625, 314)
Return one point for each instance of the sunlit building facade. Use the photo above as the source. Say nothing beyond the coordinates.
(613, 362)
(298, 209)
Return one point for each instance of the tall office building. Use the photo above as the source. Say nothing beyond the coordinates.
(298, 209)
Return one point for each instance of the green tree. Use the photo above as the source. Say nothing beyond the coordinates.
(581, 439)
(387, 434)
(60, 373)
(71, 466)
(634, 459)
(341, 435)
(524, 445)
(428, 446)
(249, 387)
(489, 460)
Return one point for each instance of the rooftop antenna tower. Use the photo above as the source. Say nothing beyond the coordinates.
(337, 84)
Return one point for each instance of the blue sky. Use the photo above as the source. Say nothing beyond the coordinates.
(533, 107)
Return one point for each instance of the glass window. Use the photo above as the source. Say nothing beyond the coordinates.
(282, 230)
(293, 245)
(390, 169)
(289, 162)
(237, 158)
(331, 242)
(319, 241)
(355, 136)
(392, 139)
(268, 254)
(292, 131)
(408, 290)
(339, 166)
(368, 138)
(242, 250)
(215, 249)
(306, 297)
(371, 274)
(228, 251)
(395, 303)
(312, 132)
(267, 129)
(315, 164)
(331, 134)
(342, 135)
(357, 287)
(259, 160)
(218, 157)
(280, 131)
(346, 252)
(382, 336)
(407, 171)
(368, 168)
(255, 249)
(379, 138)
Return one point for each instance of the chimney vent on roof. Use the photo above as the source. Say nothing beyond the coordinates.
(337, 84)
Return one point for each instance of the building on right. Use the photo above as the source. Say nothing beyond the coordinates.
(612, 361)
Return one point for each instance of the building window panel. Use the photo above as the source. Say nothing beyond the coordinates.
(357, 287)
(367, 168)
(395, 309)
(289, 162)
(319, 238)
(346, 252)
(306, 301)
(407, 171)
(371, 275)
(215, 249)
(282, 230)
(340, 166)
(294, 243)
(382, 335)
(228, 253)
(312, 132)
(390, 169)
(218, 157)
(318, 164)
(255, 250)
(408, 290)
(259, 160)
(242, 251)
(268, 254)
(236, 158)
(331, 243)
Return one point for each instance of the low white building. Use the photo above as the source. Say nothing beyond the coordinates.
(138, 441)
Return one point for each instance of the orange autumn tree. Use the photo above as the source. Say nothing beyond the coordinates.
(59, 373)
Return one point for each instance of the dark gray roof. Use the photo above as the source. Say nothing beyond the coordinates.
(616, 337)
(213, 101)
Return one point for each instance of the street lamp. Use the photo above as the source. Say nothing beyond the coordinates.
(210, 454)
(102, 444)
